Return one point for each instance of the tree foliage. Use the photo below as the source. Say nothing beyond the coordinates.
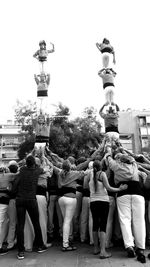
(76, 137)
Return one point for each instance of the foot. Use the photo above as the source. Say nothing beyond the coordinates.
(141, 258)
(3, 251)
(105, 255)
(130, 252)
(69, 248)
(140, 255)
(20, 255)
(96, 251)
(41, 249)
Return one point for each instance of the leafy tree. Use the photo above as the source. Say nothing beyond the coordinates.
(87, 132)
(25, 115)
(78, 137)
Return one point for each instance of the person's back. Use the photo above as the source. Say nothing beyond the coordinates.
(28, 182)
(100, 194)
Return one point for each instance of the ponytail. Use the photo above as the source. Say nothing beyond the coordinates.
(96, 168)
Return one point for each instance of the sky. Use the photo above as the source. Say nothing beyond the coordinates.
(74, 27)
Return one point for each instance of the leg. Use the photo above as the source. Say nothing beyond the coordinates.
(138, 219)
(95, 217)
(60, 217)
(76, 217)
(42, 206)
(90, 227)
(110, 222)
(28, 233)
(3, 221)
(21, 212)
(125, 217)
(105, 60)
(84, 219)
(32, 208)
(51, 206)
(12, 223)
(104, 210)
(67, 206)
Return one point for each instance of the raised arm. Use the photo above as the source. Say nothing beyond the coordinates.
(36, 79)
(48, 79)
(101, 113)
(98, 46)
(114, 56)
(52, 50)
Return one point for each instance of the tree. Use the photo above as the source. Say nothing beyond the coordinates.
(87, 132)
(78, 137)
(25, 115)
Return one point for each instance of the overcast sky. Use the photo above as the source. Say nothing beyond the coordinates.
(74, 26)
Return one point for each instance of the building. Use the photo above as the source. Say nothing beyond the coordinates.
(134, 128)
(10, 139)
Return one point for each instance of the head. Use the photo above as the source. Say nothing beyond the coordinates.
(13, 166)
(42, 44)
(30, 161)
(139, 158)
(97, 165)
(106, 41)
(37, 161)
(111, 110)
(42, 77)
(41, 119)
(66, 166)
(81, 160)
(71, 159)
(127, 159)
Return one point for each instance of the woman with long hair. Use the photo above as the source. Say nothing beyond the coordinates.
(99, 205)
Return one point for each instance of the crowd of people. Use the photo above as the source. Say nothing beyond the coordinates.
(98, 200)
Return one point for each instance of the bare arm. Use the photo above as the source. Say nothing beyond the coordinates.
(48, 79)
(101, 113)
(110, 188)
(52, 50)
(36, 79)
(98, 46)
(36, 54)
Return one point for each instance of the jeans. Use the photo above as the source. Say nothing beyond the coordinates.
(30, 205)
(68, 206)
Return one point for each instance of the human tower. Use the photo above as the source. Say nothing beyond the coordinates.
(109, 111)
(42, 80)
(107, 75)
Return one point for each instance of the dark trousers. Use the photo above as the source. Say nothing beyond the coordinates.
(31, 206)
